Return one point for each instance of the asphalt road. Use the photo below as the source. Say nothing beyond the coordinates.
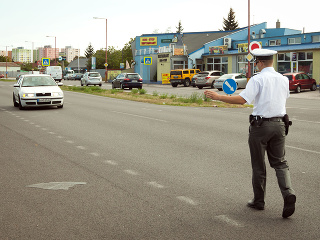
(103, 168)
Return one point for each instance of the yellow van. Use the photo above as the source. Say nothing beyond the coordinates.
(182, 76)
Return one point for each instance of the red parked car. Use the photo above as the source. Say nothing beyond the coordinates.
(1, 76)
(300, 80)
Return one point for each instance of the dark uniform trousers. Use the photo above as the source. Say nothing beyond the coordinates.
(268, 136)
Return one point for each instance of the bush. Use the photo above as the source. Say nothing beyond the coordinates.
(142, 91)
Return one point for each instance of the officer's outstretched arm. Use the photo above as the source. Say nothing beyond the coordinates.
(225, 98)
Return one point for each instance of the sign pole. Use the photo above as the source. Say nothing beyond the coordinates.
(249, 64)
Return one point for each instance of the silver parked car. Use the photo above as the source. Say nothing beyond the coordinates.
(207, 78)
(91, 78)
(239, 78)
(36, 90)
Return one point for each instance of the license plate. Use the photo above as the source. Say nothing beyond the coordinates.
(175, 76)
(134, 81)
(44, 100)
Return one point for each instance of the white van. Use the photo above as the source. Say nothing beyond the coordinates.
(55, 72)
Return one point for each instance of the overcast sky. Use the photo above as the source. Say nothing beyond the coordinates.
(71, 21)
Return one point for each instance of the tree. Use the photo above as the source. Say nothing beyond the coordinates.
(3, 59)
(230, 23)
(127, 52)
(179, 28)
(89, 53)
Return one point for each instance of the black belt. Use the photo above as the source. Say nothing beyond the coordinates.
(273, 119)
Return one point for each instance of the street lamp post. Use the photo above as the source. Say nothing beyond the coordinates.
(249, 64)
(7, 60)
(55, 49)
(106, 63)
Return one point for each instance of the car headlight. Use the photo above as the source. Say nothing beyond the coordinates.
(57, 94)
(28, 95)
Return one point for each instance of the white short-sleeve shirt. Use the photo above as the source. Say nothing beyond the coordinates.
(268, 91)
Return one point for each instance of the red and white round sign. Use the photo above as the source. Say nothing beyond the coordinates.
(254, 45)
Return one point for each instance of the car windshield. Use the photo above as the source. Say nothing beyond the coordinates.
(133, 76)
(176, 73)
(34, 81)
(94, 75)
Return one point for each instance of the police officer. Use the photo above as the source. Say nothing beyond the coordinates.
(268, 91)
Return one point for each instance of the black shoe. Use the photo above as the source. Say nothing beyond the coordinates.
(251, 204)
(289, 205)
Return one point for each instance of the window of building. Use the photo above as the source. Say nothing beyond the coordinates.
(296, 40)
(218, 63)
(275, 42)
(180, 65)
(292, 62)
(316, 38)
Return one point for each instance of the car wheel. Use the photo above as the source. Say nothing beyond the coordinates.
(121, 86)
(174, 85)
(81, 84)
(100, 85)
(61, 106)
(113, 86)
(298, 89)
(15, 102)
(314, 87)
(187, 83)
(20, 106)
(212, 86)
(220, 89)
(200, 87)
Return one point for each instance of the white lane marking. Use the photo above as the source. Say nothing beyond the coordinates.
(187, 200)
(81, 147)
(134, 115)
(59, 137)
(26, 120)
(51, 133)
(69, 141)
(37, 125)
(56, 185)
(31, 123)
(110, 162)
(306, 150)
(155, 184)
(131, 172)
(229, 221)
(95, 154)
(44, 129)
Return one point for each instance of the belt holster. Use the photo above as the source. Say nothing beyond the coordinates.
(287, 123)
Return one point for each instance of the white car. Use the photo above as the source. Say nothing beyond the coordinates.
(91, 78)
(37, 90)
(239, 78)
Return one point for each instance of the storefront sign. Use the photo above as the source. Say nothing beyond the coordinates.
(166, 40)
(148, 41)
(165, 78)
(243, 47)
(178, 51)
(218, 49)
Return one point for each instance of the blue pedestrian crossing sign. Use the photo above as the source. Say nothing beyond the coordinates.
(45, 61)
(229, 86)
(147, 60)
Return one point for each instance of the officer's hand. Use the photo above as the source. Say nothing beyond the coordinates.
(211, 94)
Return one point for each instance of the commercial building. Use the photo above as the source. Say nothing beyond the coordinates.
(226, 51)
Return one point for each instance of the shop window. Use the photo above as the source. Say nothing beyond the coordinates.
(296, 40)
(275, 42)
